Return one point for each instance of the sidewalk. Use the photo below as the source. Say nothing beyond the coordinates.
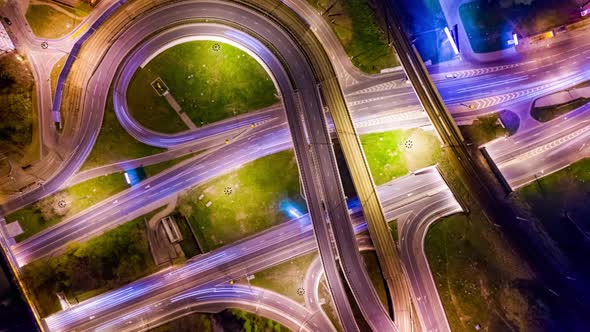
(174, 104)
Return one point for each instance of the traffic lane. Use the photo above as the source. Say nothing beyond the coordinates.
(170, 154)
(210, 298)
(160, 20)
(25, 199)
(278, 244)
(111, 58)
(178, 12)
(122, 207)
(214, 267)
(510, 147)
(412, 233)
(160, 42)
(80, 141)
(350, 260)
(531, 61)
(546, 161)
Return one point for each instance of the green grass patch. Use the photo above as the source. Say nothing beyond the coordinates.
(547, 113)
(55, 71)
(209, 85)
(257, 190)
(189, 244)
(48, 212)
(190, 323)
(559, 203)
(395, 153)
(114, 144)
(374, 271)
(17, 115)
(285, 278)
(356, 26)
(82, 9)
(484, 129)
(479, 278)
(108, 261)
(393, 230)
(252, 322)
(47, 22)
(552, 193)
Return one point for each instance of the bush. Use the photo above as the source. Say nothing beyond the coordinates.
(16, 117)
(111, 260)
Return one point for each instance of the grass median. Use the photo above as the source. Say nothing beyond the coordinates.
(355, 24)
(108, 261)
(211, 81)
(481, 282)
(226, 320)
(55, 71)
(395, 153)
(72, 200)
(286, 278)
(484, 129)
(114, 144)
(49, 19)
(548, 113)
(374, 271)
(244, 202)
(558, 206)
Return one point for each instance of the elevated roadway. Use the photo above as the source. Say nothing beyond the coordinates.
(472, 173)
(211, 298)
(237, 260)
(313, 125)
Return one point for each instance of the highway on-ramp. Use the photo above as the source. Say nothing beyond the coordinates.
(237, 260)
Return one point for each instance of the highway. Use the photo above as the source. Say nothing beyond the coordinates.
(140, 199)
(263, 250)
(541, 151)
(313, 110)
(353, 153)
(42, 61)
(265, 303)
(369, 104)
(483, 190)
(552, 63)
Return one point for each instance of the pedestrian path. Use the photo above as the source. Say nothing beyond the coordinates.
(174, 104)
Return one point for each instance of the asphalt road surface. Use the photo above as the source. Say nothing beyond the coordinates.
(237, 260)
(375, 98)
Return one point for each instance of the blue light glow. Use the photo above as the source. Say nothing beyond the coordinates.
(452, 41)
(134, 176)
(290, 209)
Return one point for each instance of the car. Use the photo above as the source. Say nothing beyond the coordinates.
(7, 20)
